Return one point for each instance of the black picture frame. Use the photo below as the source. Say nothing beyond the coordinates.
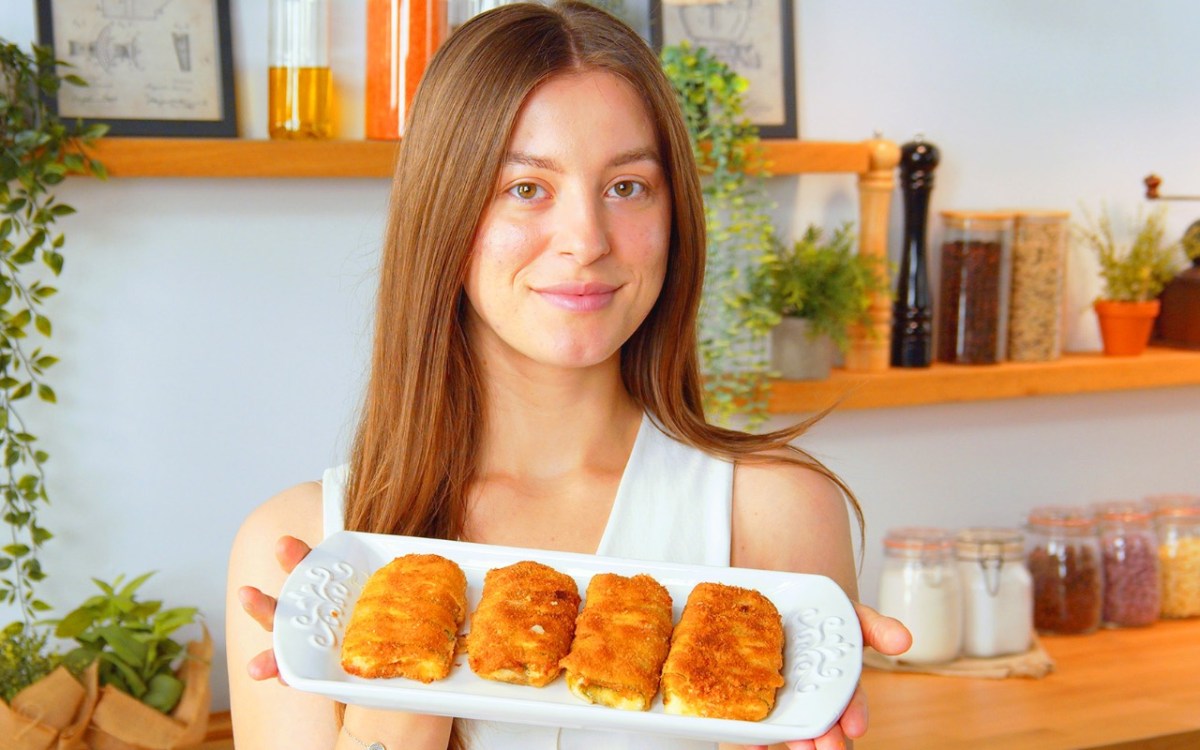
(736, 31)
(144, 75)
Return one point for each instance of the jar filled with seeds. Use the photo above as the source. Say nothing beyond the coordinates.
(1177, 522)
(1129, 554)
(973, 300)
(1039, 253)
(1064, 562)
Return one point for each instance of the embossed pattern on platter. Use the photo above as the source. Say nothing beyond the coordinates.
(325, 598)
(816, 648)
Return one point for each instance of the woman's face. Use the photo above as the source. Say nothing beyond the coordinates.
(571, 253)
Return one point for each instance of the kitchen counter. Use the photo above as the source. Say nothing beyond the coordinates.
(1115, 689)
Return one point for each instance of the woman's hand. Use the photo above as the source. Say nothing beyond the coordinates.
(289, 551)
(886, 635)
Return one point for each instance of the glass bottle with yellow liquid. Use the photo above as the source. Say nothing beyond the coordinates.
(300, 83)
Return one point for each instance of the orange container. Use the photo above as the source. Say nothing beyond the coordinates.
(402, 36)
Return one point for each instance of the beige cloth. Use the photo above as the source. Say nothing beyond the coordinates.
(1034, 663)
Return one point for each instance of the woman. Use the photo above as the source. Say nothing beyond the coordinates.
(534, 366)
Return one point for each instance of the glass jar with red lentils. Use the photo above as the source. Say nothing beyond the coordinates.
(1065, 563)
(1129, 556)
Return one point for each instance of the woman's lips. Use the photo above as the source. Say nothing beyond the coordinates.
(577, 296)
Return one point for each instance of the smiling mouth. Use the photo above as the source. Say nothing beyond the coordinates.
(576, 297)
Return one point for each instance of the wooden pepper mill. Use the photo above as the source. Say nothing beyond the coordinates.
(912, 315)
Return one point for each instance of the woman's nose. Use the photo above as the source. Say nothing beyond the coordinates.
(583, 231)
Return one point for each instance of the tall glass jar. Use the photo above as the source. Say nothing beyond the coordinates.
(1129, 550)
(1177, 521)
(1064, 560)
(919, 586)
(997, 592)
(402, 36)
(1039, 259)
(300, 84)
(973, 303)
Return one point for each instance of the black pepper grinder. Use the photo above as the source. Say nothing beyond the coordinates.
(912, 318)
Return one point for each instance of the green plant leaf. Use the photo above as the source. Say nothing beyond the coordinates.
(75, 623)
(164, 692)
(128, 649)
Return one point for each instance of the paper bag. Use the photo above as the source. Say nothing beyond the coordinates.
(122, 722)
(51, 714)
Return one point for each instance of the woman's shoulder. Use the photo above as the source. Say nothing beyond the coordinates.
(296, 511)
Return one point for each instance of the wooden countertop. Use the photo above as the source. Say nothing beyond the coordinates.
(1115, 689)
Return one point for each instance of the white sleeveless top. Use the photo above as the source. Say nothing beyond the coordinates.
(673, 504)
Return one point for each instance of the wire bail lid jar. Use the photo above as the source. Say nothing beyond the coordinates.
(997, 592)
(1064, 561)
(920, 587)
(1129, 551)
(1177, 522)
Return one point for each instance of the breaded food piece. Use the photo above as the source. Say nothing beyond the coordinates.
(523, 624)
(621, 639)
(726, 655)
(406, 620)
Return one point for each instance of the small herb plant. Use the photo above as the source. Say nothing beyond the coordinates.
(131, 639)
(739, 230)
(1135, 272)
(826, 282)
(24, 659)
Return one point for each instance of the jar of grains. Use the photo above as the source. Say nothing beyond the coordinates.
(1177, 521)
(997, 592)
(1039, 255)
(919, 586)
(1064, 560)
(973, 300)
(1129, 554)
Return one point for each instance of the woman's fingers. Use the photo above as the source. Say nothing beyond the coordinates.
(853, 723)
(289, 551)
(258, 605)
(263, 666)
(887, 635)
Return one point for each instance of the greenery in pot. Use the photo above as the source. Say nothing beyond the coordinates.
(739, 230)
(827, 282)
(37, 151)
(1137, 271)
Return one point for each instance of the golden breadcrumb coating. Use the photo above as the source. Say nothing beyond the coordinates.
(406, 620)
(523, 624)
(621, 639)
(726, 655)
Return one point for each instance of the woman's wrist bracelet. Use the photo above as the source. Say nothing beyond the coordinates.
(372, 746)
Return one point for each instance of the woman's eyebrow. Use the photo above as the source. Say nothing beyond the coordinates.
(543, 162)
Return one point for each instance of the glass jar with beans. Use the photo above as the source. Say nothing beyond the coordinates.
(1064, 561)
(1177, 522)
(1035, 310)
(1129, 555)
(972, 319)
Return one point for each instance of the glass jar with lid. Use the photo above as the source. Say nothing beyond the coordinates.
(919, 586)
(1177, 522)
(1039, 259)
(997, 592)
(1064, 560)
(1129, 555)
(973, 300)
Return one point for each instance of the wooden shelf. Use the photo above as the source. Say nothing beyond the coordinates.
(1074, 373)
(227, 157)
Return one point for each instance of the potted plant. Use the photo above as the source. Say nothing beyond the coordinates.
(810, 294)
(1134, 274)
(738, 227)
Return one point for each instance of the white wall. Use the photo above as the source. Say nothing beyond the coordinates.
(213, 332)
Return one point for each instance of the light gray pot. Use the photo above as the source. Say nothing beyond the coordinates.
(798, 356)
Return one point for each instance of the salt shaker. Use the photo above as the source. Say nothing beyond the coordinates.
(997, 592)
(919, 586)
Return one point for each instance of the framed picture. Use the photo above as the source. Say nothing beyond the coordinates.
(153, 67)
(756, 38)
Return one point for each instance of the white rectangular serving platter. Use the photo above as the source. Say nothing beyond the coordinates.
(822, 655)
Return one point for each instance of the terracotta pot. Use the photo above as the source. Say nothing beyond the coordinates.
(1125, 326)
(796, 354)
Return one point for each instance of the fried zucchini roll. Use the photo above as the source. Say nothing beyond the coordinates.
(406, 620)
(726, 655)
(621, 639)
(523, 624)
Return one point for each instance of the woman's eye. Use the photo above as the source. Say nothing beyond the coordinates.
(627, 188)
(525, 191)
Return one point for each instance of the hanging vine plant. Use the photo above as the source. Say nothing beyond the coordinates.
(38, 152)
(740, 233)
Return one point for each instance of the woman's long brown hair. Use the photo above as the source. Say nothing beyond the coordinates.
(414, 454)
